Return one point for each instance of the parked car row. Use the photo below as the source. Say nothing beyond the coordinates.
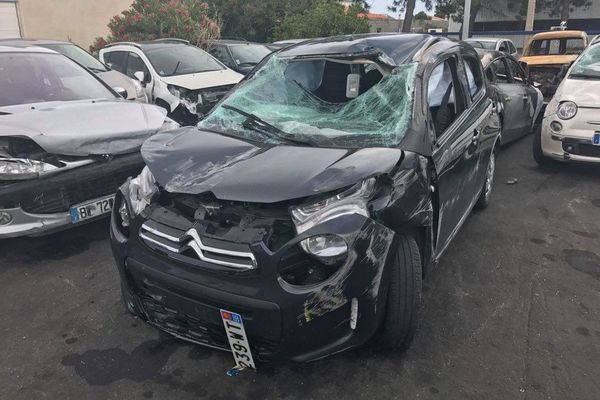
(300, 214)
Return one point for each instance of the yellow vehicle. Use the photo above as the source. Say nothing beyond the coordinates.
(548, 56)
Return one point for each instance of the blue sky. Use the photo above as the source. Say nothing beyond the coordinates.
(380, 6)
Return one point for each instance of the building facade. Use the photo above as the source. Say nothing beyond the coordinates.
(501, 18)
(79, 21)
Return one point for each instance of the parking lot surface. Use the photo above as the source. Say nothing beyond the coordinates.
(512, 311)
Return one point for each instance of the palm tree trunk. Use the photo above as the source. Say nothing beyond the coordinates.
(408, 15)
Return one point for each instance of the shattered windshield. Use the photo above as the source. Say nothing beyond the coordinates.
(324, 102)
(556, 47)
(588, 66)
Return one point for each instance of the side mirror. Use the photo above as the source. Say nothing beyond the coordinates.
(109, 65)
(120, 91)
(140, 76)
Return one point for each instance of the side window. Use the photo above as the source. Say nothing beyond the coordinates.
(221, 54)
(501, 71)
(474, 76)
(511, 48)
(516, 72)
(444, 96)
(116, 59)
(134, 64)
(503, 47)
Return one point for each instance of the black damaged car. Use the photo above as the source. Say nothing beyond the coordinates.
(298, 219)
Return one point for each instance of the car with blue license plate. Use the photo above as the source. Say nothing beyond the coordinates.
(67, 141)
(298, 219)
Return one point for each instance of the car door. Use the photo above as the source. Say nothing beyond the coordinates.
(512, 96)
(456, 155)
(134, 64)
(531, 98)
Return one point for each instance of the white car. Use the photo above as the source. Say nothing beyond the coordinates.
(177, 76)
(570, 130)
(497, 44)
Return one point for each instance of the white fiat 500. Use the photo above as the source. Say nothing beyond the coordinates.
(571, 127)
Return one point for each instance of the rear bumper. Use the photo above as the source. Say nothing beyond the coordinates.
(282, 321)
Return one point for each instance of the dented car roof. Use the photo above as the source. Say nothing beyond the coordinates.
(397, 48)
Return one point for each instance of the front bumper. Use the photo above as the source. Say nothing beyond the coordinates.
(282, 321)
(30, 224)
(569, 144)
(41, 206)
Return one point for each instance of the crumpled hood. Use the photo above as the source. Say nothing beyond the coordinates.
(583, 92)
(192, 161)
(204, 80)
(81, 128)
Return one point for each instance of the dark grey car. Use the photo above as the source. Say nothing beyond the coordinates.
(519, 102)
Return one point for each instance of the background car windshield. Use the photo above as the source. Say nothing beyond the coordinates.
(556, 47)
(250, 54)
(482, 44)
(307, 99)
(34, 77)
(78, 55)
(588, 66)
(181, 60)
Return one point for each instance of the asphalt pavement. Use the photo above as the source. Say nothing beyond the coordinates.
(512, 311)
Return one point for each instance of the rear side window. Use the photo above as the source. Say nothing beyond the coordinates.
(474, 75)
(135, 64)
(116, 59)
(445, 102)
(512, 48)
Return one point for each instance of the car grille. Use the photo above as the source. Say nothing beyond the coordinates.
(61, 198)
(581, 149)
(548, 77)
(192, 247)
(199, 330)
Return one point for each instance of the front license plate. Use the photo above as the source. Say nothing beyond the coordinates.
(596, 140)
(234, 328)
(92, 209)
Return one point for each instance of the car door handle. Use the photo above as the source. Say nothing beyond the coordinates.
(525, 97)
(507, 98)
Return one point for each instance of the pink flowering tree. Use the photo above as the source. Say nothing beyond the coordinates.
(191, 20)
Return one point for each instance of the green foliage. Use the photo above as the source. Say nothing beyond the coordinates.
(153, 19)
(328, 18)
(421, 16)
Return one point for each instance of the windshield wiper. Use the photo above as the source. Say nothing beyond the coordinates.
(247, 63)
(176, 68)
(257, 124)
(94, 69)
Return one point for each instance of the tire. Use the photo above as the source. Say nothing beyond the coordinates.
(404, 295)
(538, 154)
(486, 191)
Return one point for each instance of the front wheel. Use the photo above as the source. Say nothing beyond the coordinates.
(404, 295)
(486, 191)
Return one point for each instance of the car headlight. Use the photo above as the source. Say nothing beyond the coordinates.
(12, 169)
(566, 110)
(139, 89)
(177, 91)
(330, 248)
(141, 189)
(351, 201)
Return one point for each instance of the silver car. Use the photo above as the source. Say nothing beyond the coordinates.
(111, 77)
